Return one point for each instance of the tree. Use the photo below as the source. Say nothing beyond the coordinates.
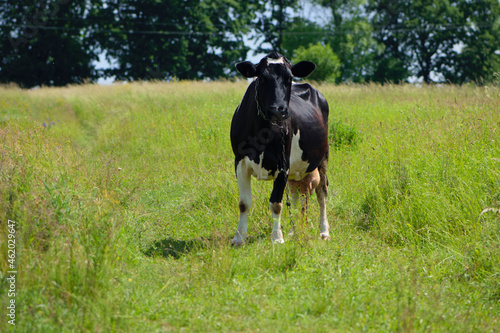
(272, 19)
(351, 38)
(426, 37)
(187, 39)
(479, 38)
(417, 32)
(327, 62)
(391, 62)
(44, 44)
(301, 32)
(56, 42)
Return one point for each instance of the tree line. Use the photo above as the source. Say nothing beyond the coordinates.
(58, 42)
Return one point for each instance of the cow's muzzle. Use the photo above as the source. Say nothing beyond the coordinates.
(279, 113)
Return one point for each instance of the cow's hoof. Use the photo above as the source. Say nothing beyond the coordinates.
(237, 242)
(277, 237)
(325, 236)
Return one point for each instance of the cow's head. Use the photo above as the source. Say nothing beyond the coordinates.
(273, 85)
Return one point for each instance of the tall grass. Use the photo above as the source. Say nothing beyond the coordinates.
(126, 201)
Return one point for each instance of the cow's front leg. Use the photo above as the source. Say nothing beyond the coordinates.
(244, 185)
(275, 204)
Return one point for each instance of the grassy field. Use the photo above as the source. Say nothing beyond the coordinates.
(125, 202)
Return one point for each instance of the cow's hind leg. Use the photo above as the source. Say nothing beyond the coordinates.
(322, 195)
(244, 185)
(295, 197)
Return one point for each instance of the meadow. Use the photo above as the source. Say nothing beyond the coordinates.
(125, 200)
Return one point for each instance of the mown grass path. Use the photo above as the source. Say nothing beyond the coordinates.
(125, 201)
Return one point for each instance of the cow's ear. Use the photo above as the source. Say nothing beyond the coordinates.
(303, 69)
(247, 69)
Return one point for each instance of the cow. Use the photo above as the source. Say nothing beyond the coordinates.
(279, 132)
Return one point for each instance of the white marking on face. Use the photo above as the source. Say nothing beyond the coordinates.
(275, 61)
(298, 167)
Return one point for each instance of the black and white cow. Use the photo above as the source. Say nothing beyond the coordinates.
(280, 132)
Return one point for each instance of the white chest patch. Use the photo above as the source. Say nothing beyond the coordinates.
(257, 170)
(298, 167)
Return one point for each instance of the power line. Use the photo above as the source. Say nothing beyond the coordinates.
(116, 31)
(344, 30)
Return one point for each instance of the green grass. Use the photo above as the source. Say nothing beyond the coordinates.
(126, 202)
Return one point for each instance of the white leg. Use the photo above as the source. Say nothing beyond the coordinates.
(276, 234)
(324, 228)
(322, 194)
(244, 181)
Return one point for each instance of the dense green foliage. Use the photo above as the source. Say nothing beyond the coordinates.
(327, 63)
(185, 39)
(41, 43)
(300, 33)
(57, 42)
(125, 202)
(425, 35)
(272, 20)
(351, 36)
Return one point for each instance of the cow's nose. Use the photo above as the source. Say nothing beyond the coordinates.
(283, 110)
(280, 111)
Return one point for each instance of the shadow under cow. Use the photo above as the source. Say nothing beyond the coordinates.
(176, 248)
